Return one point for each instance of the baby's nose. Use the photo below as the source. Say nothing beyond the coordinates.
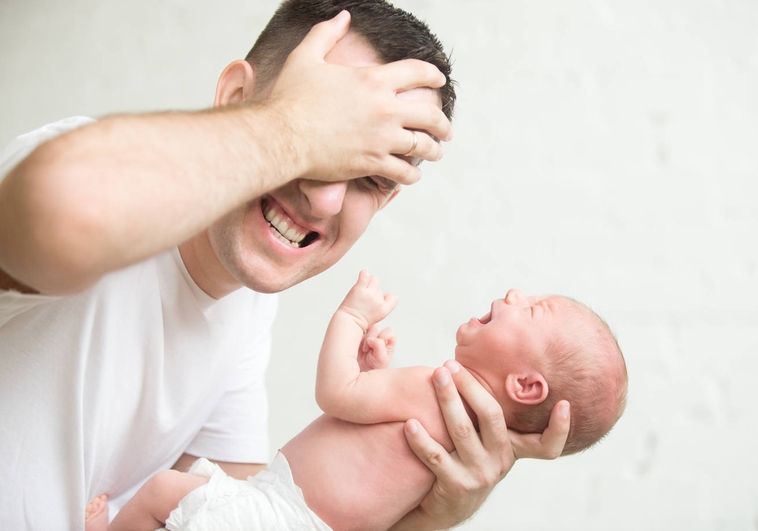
(514, 297)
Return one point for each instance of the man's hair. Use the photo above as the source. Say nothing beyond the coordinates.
(393, 33)
(586, 368)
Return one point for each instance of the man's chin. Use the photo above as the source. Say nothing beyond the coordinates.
(273, 284)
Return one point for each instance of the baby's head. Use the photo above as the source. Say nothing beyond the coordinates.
(534, 351)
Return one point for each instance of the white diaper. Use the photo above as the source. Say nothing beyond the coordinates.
(268, 501)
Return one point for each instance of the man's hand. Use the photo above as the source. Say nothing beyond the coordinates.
(466, 476)
(345, 122)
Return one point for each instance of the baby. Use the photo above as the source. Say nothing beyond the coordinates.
(351, 469)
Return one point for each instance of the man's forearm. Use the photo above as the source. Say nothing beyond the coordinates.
(127, 187)
(417, 520)
(112, 193)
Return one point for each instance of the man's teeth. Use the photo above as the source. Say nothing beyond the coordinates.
(286, 233)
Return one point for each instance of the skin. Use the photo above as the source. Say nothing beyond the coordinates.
(242, 250)
(517, 364)
(360, 440)
(126, 188)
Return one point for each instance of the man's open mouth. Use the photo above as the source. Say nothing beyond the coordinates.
(288, 234)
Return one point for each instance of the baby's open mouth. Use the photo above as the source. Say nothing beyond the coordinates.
(286, 232)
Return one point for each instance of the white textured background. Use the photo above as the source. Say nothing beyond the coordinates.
(607, 150)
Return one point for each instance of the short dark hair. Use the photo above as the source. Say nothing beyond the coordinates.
(393, 33)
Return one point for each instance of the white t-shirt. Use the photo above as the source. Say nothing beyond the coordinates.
(100, 390)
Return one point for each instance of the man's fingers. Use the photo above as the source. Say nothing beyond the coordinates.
(398, 170)
(429, 451)
(466, 476)
(323, 37)
(492, 428)
(423, 116)
(417, 104)
(459, 424)
(413, 73)
(550, 443)
(424, 147)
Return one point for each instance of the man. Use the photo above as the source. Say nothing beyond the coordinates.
(129, 343)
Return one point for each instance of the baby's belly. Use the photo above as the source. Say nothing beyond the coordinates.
(357, 476)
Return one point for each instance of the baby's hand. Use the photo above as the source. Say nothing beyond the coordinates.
(376, 349)
(366, 302)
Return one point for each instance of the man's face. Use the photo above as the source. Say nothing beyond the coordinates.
(517, 330)
(304, 227)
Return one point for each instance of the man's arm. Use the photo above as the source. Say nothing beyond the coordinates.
(481, 459)
(235, 470)
(128, 187)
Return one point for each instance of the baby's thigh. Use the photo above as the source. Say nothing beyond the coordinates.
(166, 489)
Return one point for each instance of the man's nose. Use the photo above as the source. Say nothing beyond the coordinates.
(514, 297)
(324, 198)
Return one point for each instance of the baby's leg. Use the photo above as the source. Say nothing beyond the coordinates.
(154, 501)
(96, 518)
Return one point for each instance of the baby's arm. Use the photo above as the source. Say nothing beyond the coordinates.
(154, 501)
(342, 390)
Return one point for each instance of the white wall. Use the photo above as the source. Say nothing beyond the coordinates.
(607, 150)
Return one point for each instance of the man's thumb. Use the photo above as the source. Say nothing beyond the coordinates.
(325, 35)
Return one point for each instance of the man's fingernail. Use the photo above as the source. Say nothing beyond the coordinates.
(563, 410)
(442, 378)
(412, 426)
(453, 366)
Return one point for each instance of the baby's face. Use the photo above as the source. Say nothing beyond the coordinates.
(517, 328)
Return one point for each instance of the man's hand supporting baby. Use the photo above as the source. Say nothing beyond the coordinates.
(481, 458)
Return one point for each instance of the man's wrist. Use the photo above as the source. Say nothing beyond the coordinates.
(268, 140)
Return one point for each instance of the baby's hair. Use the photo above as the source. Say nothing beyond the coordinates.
(588, 369)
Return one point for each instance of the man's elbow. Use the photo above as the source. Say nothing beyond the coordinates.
(44, 233)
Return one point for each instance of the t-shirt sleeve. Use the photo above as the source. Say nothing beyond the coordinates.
(23, 145)
(237, 430)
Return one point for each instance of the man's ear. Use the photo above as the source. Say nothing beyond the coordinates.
(391, 197)
(528, 388)
(235, 84)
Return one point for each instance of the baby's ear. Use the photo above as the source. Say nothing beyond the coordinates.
(528, 388)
